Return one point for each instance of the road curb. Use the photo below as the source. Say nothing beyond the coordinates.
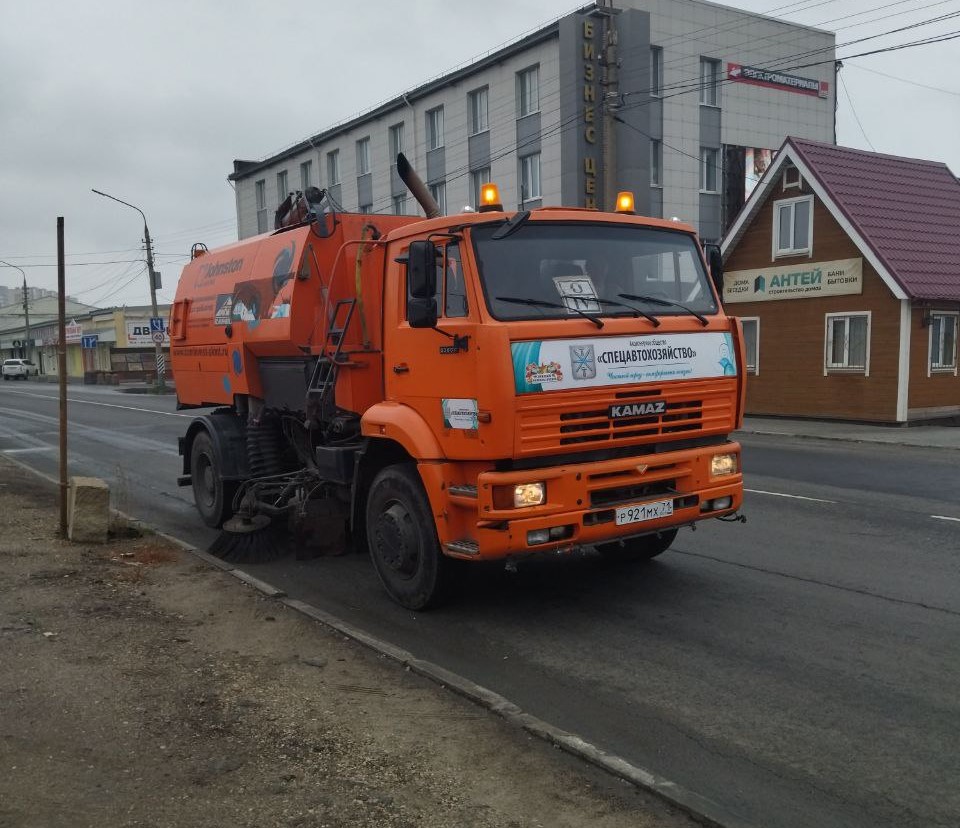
(701, 809)
(833, 438)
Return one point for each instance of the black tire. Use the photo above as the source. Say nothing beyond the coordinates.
(6, 377)
(212, 495)
(644, 548)
(402, 539)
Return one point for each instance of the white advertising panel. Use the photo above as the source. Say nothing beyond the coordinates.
(554, 364)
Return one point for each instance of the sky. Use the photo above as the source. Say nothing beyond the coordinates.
(152, 102)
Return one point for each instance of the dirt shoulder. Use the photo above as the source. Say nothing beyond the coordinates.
(138, 687)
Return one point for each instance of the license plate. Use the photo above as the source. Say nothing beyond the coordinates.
(640, 512)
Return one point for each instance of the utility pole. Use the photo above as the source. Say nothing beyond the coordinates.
(26, 308)
(158, 345)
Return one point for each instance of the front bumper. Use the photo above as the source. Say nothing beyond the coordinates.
(581, 502)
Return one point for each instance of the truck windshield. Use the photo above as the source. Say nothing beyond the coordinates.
(577, 268)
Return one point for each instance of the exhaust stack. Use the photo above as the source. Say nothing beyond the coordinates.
(416, 187)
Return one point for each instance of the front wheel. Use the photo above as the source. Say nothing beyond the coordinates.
(213, 496)
(643, 548)
(402, 539)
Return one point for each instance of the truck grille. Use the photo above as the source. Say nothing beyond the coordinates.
(549, 423)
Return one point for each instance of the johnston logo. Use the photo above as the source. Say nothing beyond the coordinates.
(641, 409)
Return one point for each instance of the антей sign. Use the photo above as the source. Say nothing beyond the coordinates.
(803, 281)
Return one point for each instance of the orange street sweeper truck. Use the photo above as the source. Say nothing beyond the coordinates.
(480, 386)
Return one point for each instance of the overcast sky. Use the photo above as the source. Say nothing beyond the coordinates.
(151, 102)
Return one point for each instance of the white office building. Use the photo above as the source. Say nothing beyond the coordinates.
(680, 101)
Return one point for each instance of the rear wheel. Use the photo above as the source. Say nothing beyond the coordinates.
(638, 549)
(213, 496)
(402, 539)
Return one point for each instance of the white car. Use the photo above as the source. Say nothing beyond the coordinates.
(18, 369)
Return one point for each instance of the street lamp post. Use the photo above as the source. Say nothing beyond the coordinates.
(26, 309)
(160, 385)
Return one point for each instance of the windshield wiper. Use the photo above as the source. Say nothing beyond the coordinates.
(636, 311)
(543, 303)
(656, 300)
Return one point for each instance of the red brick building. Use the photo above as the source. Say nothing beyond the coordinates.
(844, 267)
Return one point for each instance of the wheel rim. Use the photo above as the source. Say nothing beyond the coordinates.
(396, 540)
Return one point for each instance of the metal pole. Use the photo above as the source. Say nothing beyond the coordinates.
(158, 347)
(62, 370)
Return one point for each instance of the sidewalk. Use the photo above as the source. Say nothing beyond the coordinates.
(929, 436)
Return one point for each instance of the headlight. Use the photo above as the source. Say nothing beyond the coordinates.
(721, 464)
(529, 494)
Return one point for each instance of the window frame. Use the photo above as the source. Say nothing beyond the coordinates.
(755, 368)
(306, 174)
(703, 170)
(439, 187)
(525, 161)
(942, 369)
(709, 87)
(656, 163)
(401, 201)
(477, 125)
(260, 199)
(395, 136)
(530, 71)
(363, 155)
(845, 368)
(283, 185)
(656, 71)
(333, 168)
(435, 138)
(777, 252)
(787, 185)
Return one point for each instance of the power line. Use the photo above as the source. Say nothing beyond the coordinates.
(854, 111)
(903, 80)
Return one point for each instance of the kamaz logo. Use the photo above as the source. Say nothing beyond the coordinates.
(644, 409)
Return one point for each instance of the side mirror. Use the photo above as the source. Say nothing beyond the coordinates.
(422, 270)
(715, 260)
(422, 313)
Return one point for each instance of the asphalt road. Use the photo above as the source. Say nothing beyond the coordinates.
(800, 670)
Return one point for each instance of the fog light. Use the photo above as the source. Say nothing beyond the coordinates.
(529, 494)
(560, 532)
(537, 536)
(722, 503)
(721, 464)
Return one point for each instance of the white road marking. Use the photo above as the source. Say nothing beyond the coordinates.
(945, 517)
(792, 496)
(106, 405)
(26, 450)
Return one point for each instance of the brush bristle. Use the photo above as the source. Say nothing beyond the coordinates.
(261, 546)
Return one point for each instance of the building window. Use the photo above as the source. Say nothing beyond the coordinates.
(656, 71)
(333, 168)
(363, 156)
(260, 191)
(365, 208)
(477, 179)
(306, 175)
(848, 342)
(478, 111)
(709, 82)
(528, 91)
(282, 188)
(530, 177)
(656, 162)
(439, 193)
(791, 177)
(943, 342)
(751, 343)
(709, 170)
(793, 226)
(396, 142)
(435, 128)
(400, 205)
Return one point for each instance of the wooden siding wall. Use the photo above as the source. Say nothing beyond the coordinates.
(937, 394)
(792, 341)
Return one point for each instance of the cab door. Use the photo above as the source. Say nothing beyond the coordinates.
(434, 370)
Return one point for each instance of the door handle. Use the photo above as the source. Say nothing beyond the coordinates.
(402, 368)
